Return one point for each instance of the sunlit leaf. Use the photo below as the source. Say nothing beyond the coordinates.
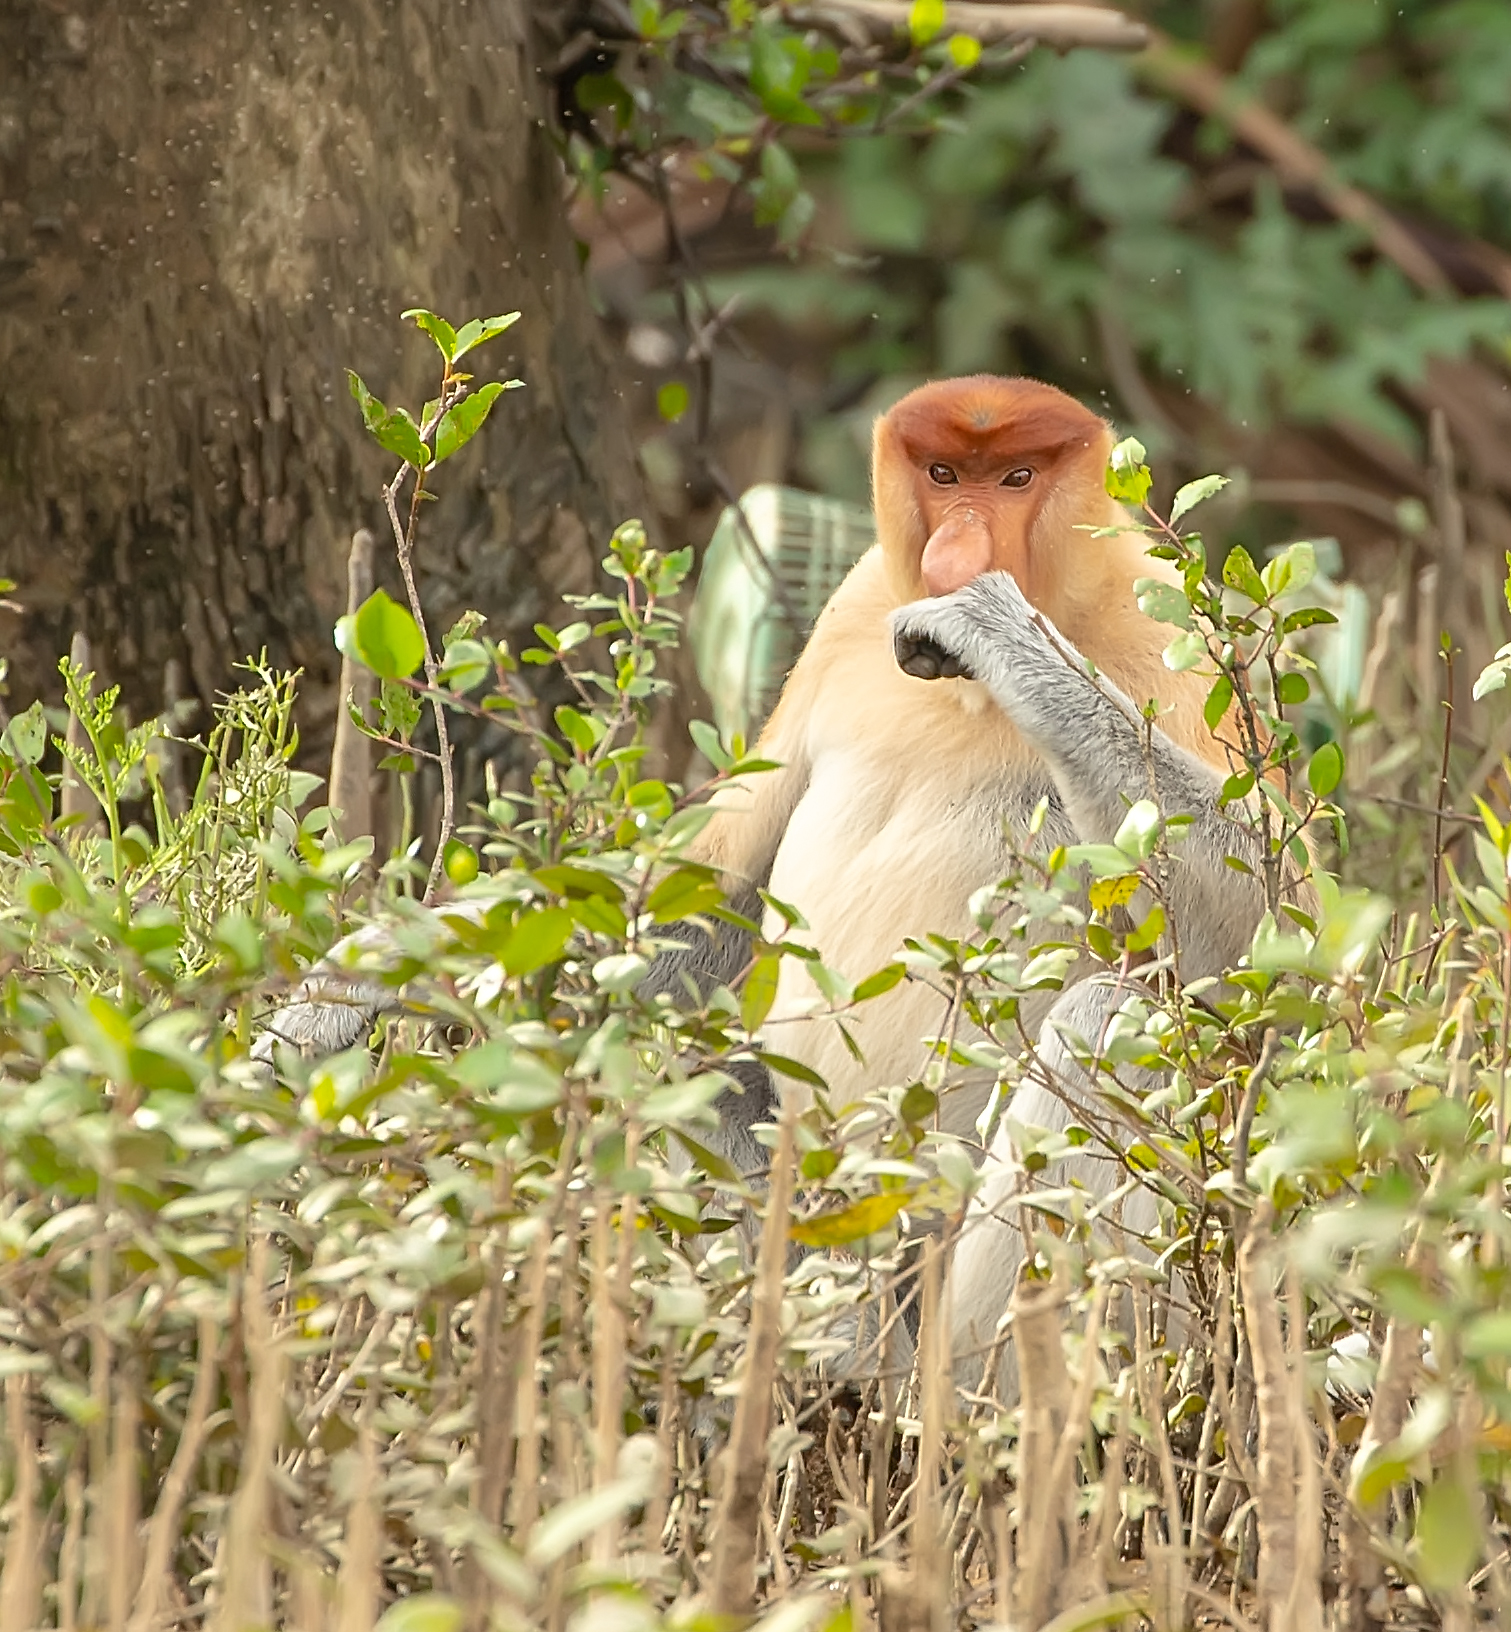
(860, 1218)
(459, 424)
(383, 636)
(1192, 495)
(437, 328)
(760, 991)
(1128, 479)
(481, 329)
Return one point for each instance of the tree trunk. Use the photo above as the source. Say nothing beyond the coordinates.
(208, 213)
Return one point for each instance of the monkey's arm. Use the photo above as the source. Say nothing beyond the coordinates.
(1099, 753)
(741, 841)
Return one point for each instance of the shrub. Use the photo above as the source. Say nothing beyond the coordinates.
(466, 1330)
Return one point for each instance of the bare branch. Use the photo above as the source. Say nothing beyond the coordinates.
(1061, 26)
(1201, 86)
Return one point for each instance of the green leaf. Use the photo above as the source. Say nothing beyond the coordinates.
(882, 981)
(785, 1066)
(1488, 1335)
(1238, 573)
(1219, 699)
(25, 738)
(1165, 603)
(779, 70)
(918, 1104)
(373, 411)
(1494, 675)
(574, 1520)
(1193, 493)
(398, 434)
(672, 401)
(398, 710)
(1148, 932)
(759, 992)
(1326, 769)
(683, 892)
(577, 728)
(238, 934)
(1292, 570)
(465, 665)
(393, 429)
(1128, 479)
(1140, 830)
(1305, 617)
(459, 424)
(925, 21)
(859, 1219)
(1105, 860)
(1238, 786)
(595, 92)
(437, 328)
(382, 635)
(621, 972)
(481, 329)
(1448, 1540)
(1186, 651)
(422, 1612)
(538, 938)
(1292, 689)
(710, 744)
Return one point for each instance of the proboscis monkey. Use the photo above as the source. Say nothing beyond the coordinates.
(942, 696)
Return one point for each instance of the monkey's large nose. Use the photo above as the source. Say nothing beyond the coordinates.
(925, 659)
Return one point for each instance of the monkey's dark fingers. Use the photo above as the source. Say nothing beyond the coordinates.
(925, 659)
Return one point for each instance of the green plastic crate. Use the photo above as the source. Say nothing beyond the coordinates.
(761, 588)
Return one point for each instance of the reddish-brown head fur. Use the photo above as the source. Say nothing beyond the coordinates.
(983, 474)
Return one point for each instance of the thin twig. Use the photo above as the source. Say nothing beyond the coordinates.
(404, 540)
(1239, 1164)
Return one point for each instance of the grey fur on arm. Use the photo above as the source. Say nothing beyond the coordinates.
(1102, 755)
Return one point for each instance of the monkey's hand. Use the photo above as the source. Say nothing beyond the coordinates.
(974, 634)
(923, 656)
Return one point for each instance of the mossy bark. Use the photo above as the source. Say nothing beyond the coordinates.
(208, 213)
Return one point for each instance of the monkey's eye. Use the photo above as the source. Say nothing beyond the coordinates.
(1020, 477)
(942, 476)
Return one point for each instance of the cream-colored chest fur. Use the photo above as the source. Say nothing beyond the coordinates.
(913, 789)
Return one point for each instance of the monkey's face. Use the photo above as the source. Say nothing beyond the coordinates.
(967, 474)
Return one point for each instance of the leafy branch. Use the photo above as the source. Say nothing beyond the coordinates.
(379, 633)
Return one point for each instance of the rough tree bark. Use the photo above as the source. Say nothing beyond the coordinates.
(208, 212)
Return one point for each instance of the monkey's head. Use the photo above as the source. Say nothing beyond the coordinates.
(986, 474)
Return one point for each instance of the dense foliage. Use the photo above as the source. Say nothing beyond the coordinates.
(470, 1327)
(1285, 210)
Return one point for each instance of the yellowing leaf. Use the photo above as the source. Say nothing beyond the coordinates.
(760, 991)
(863, 1217)
(1107, 893)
